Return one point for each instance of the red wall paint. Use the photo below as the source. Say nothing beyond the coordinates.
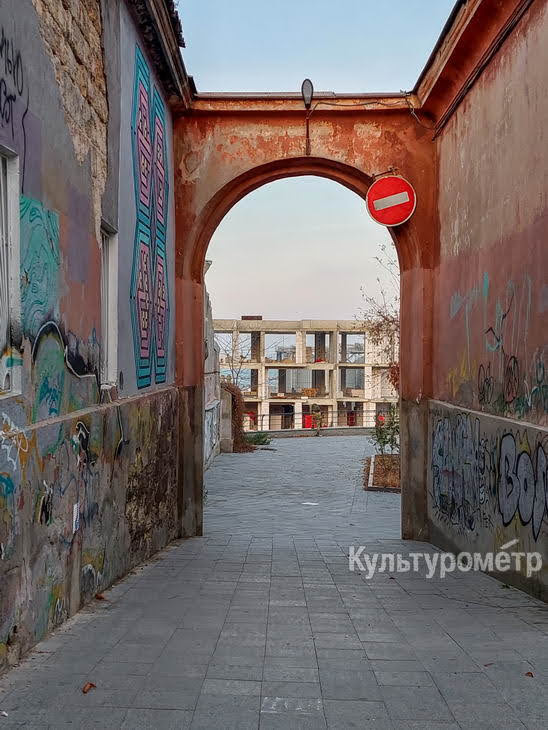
(491, 290)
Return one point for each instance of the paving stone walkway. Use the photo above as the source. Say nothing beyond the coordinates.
(260, 624)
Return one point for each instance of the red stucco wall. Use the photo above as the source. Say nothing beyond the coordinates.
(491, 290)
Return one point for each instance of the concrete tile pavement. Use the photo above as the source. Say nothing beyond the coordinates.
(260, 624)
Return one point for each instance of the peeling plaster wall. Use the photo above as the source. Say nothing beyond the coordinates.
(71, 33)
(223, 152)
(491, 300)
(83, 499)
(492, 292)
(55, 339)
(87, 489)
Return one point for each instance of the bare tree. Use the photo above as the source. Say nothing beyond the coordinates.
(235, 353)
(381, 314)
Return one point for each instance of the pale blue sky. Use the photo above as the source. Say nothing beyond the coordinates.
(302, 247)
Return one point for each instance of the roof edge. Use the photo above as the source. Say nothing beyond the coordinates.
(441, 38)
(161, 29)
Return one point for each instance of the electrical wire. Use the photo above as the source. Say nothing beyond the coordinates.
(376, 102)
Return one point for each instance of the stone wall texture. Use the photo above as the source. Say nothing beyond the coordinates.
(71, 32)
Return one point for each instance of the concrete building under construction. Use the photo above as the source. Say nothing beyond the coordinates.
(308, 373)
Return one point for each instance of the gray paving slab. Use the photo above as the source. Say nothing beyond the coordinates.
(261, 625)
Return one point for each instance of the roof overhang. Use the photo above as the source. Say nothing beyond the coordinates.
(161, 29)
(474, 32)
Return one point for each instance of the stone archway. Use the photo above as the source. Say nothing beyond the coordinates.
(226, 147)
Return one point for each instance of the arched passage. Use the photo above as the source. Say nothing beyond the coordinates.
(233, 152)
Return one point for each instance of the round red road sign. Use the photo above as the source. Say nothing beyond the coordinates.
(391, 200)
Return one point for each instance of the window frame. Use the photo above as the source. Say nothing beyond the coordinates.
(13, 266)
(109, 306)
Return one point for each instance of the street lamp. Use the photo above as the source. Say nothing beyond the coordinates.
(307, 92)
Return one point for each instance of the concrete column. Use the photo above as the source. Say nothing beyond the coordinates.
(235, 348)
(300, 347)
(298, 413)
(226, 422)
(282, 380)
(261, 384)
(331, 383)
(264, 416)
(261, 346)
(333, 413)
(256, 346)
(336, 382)
(368, 381)
(334, 346)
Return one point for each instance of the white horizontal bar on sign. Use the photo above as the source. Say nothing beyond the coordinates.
(391, 200)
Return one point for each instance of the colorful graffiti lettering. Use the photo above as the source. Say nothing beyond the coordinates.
(149, 285)
(522, 486)
(13, 441)
(478, 476)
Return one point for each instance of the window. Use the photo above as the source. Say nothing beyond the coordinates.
(10, 361)
(109, 306)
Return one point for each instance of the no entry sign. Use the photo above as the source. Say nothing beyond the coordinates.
(391, 200)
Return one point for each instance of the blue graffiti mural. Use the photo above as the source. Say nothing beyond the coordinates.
(40, 264)
(149, 290)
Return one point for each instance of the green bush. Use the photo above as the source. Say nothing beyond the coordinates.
(386, 434)
(258, 439)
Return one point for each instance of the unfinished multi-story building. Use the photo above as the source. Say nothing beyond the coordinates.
(305, 374)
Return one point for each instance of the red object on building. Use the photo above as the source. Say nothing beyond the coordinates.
(351, 419)
(391, 200)
(307, 420)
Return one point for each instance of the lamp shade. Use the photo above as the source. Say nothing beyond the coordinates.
(307, 91)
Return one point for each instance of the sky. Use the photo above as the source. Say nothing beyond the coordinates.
(303, 247)
(299, 248)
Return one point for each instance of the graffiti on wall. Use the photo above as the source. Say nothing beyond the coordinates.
(13, 441)
(40, 264)
(14, 95)
(507, 376)
(149, 286)
(211, 430)
(62, 380)
(483, 477)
